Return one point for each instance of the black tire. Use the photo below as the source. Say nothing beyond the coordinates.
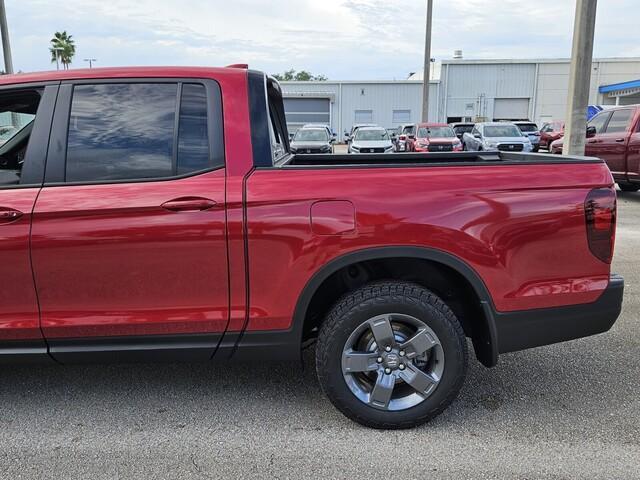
(628, 187)
(374, 299)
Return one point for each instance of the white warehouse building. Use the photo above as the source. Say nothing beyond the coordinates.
(467, 90)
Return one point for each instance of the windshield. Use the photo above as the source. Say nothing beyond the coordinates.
(463, 128)
(502, 131)
(371, 135)
(435, 132)
(528, 127)
(304, 135)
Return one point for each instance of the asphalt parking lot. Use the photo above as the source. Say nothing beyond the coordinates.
(564, 411)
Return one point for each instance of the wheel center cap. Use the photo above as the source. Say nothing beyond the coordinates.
(391, 360)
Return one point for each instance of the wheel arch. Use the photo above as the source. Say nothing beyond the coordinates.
(485, 340)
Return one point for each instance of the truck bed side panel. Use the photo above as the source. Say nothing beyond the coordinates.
(520, 227)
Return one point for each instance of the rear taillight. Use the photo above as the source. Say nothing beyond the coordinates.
(403, 137)
(600, 215)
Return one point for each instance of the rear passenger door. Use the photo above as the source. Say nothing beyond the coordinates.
(613, 141)
(129, 234)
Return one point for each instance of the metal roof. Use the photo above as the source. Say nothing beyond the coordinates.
(616, 87)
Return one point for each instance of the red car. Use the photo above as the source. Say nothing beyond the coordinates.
(614, 136)
(436, 137)
(141, 220)
(550, 132)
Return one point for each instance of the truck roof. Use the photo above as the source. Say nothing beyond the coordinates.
(119, 72)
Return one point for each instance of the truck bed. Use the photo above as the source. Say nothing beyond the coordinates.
(439, 159)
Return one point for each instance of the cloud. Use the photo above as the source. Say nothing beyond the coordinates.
(343, 39)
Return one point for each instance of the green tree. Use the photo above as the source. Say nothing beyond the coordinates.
(62, 49)
(301, 76)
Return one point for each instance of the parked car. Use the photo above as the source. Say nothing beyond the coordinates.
(531, 130)
(460, 128)
(436, 137)
(330, 132)
(312, 140)
(197, 235)
(349, 136)
(614, 136)
(370, 140)
(405, 137)
(550, 132)
(491, 136)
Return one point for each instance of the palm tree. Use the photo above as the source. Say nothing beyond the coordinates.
(62, 49)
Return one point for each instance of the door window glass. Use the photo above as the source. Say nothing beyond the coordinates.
(619, 121)
(17, 115)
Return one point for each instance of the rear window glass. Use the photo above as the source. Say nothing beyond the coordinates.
(193, 138)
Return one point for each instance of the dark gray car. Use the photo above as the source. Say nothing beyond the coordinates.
(312, 140)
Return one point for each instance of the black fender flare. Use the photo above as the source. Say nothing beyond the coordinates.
(486, 348)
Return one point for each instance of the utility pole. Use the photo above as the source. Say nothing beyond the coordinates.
(427, 63)
(580, 77)
(6, 46)
(90, 60)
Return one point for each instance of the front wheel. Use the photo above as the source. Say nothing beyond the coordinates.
(391, 355)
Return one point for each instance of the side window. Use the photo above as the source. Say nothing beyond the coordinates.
(125, 131)
(17, 115)
(599, 121)
(619, 121)
(363, 116)
(193, 136)
(475, 131)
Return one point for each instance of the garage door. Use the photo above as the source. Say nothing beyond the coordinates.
(511, 109)
(299, 111)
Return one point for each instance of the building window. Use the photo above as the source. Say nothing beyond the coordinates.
(363, 116)
(401, 116)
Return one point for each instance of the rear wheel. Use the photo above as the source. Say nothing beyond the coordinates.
(628, 187)
(391, 355)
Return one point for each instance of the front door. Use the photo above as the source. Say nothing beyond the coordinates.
(593, 145)
(129, 234)
(25, 119)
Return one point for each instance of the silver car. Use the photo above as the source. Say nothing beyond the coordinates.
(311, 140)
(493, 136)
(371, 140)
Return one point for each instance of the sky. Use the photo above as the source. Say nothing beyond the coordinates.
(342, 39)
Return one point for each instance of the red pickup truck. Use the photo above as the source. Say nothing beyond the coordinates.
(614, 136)
(157, 214)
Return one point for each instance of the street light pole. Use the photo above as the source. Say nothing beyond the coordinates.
(427, 63)
(6, 46)
(579, 77)
(90, 60)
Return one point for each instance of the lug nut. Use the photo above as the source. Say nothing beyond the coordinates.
(401, 367)
(379, 359)
(387, 348)
(387, 371)
(401, 353)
